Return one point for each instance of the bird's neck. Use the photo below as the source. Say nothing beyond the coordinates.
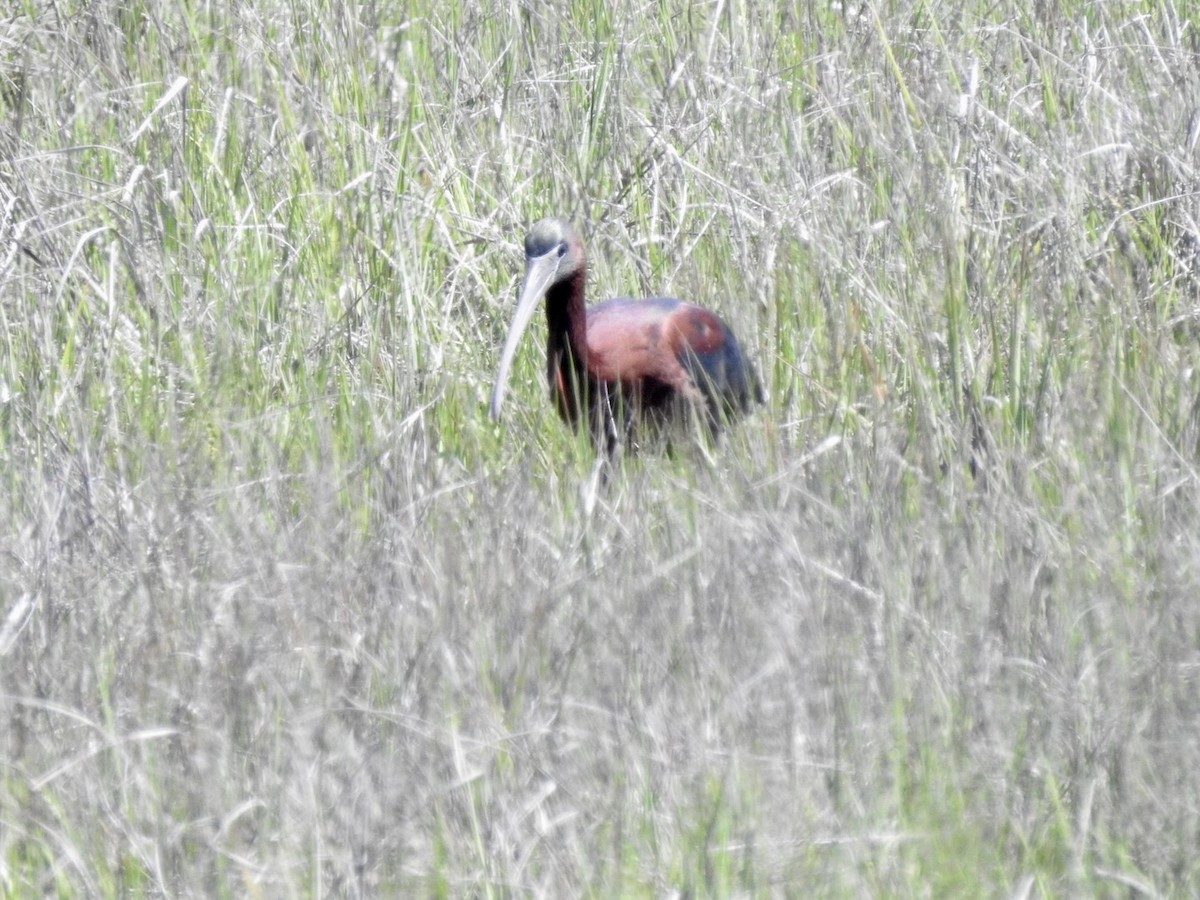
(566, 316)
(567, 356)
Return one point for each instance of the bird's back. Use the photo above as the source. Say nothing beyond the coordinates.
(667, 342)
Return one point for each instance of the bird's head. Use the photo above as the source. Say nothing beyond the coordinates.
(552, 247)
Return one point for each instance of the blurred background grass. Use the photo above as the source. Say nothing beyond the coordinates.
(285, 614)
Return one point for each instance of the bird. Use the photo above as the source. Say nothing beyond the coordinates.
(620, 365)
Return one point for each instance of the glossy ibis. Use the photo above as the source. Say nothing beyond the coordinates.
(623, 362)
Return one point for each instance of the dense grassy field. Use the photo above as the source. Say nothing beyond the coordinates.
(283, 613)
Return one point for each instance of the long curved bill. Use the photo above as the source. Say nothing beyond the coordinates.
(539, 274)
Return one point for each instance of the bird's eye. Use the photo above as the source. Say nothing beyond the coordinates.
(562, 250)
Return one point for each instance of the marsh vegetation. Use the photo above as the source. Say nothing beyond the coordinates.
(284, 613)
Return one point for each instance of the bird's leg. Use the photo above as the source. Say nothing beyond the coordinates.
(607, 424)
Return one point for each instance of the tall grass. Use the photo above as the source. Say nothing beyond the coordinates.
(283, 613)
